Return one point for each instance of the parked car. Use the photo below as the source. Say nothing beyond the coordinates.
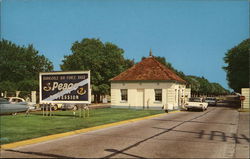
(15, 100)
(69, 106)
(12, 108)
(196, 103)
(211, 101)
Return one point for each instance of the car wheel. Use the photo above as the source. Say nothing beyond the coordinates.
(75, 108)
(54, 107)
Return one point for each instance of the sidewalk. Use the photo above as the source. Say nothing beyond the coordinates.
(242, 149)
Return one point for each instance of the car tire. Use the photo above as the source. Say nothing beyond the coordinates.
(54, 108)
(75, 108)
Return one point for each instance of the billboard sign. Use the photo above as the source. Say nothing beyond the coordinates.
(65, 87)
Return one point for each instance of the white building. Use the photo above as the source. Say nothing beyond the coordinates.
(148, 85)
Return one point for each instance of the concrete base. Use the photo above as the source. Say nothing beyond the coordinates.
(146, 108)
(138, 107)
(244, 110)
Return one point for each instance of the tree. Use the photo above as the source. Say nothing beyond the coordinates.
(104, 60)
(20, 67)
(237, 69)
(194, 84)
(200, 85)
(218, 89)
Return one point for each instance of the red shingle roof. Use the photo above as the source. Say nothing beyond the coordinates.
(149, 69)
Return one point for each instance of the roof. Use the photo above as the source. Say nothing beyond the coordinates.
(149, 69)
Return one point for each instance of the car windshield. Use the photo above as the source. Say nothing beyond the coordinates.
(3, 101)
(7, 98)
(210, 98)
(194, 99)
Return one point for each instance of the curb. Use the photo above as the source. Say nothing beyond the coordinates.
(57, 136)
(244, 110)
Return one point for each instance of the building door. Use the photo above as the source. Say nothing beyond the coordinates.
(179, 97)
(140, 98)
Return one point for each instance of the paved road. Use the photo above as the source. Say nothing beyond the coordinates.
(216, 133)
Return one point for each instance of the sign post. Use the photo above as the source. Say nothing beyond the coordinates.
(242, 98)
(65, 87)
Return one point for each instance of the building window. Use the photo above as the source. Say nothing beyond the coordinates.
(158, 95)
(124, 94)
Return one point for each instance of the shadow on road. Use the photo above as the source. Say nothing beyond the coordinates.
(200, 134)
(151, 137)
(38, 153)
(213, 134)
(120, 152)
(196, 122)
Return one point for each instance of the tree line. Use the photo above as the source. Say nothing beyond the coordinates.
(20, 67)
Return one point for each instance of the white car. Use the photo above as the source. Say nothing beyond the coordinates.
(196, 103)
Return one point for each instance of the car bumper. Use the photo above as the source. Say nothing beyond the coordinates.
(193, 107)
(211, 103)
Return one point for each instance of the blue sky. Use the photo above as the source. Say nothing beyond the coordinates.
(193, 35)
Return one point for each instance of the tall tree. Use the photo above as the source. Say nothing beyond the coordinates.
(20, 67)
(104, 60)
(237, 69)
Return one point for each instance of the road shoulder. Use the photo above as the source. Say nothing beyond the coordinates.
(242, 149)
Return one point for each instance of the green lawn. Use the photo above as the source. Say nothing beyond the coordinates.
(20, 127)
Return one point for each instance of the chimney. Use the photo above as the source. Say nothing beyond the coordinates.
(150, 53)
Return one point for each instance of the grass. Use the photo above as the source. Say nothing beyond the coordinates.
(21, 127)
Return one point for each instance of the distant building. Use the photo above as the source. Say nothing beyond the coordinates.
(148, 85)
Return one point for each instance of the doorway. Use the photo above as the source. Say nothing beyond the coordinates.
(140, 98)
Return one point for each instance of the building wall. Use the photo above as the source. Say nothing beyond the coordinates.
(245, 92)
(141, 95)
(188, 92)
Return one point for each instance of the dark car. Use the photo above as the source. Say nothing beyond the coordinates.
(211, 101)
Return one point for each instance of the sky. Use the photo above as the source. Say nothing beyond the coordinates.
(193, 35)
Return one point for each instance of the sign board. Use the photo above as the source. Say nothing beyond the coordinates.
(242, 97)
(65, 87)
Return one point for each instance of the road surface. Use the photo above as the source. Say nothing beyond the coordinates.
(219, 132)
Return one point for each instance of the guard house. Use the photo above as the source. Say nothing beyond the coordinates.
(147, 85)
